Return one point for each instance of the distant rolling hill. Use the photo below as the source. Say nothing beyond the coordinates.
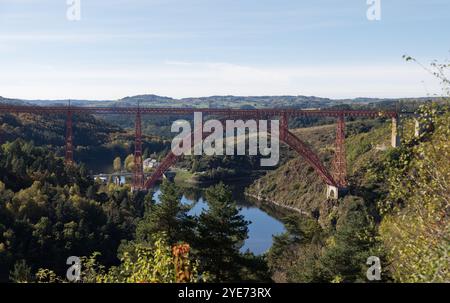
(216, 101)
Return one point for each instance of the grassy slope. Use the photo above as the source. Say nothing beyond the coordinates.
(296, 184)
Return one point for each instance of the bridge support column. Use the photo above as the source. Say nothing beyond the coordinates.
(69, 138)
(284, 126)
(138, 175)
(395, 137)
(418, 128)
(340, 161)
(334, 192)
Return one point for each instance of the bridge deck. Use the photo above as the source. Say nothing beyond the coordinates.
(242, 113)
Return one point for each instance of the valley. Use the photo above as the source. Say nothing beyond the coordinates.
(283, 214)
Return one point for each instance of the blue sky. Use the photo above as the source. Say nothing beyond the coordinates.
(184, 48)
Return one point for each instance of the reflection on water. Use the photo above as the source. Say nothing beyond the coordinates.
(262, 225)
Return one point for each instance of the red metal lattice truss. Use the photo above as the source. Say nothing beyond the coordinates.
(339, 161)
(300, 147)
(286, 136)
(170, 160)
(138, 175)
(243, 113)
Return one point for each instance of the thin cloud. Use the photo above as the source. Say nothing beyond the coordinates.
(194, 79)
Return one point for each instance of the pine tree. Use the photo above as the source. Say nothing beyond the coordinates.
(344, 258)
(222, 231)
(169, 216)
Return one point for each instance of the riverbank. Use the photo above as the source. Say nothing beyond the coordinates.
(278, 204)
(187, 179)
(264, 221)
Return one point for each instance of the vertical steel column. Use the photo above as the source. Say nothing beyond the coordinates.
(69, 137)
(395, 138)
(284, 126)
(339, 161)
(138, 176)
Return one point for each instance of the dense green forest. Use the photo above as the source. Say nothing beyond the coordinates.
(396, 208)
(96, 141)
(50, 211)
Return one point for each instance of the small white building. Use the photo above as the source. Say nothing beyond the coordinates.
(150, 163)
(104, 180)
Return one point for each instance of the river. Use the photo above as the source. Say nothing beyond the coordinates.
(263, 225)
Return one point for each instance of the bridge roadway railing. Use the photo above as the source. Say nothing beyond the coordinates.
(243, 113)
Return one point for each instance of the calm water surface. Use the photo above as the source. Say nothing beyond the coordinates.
(262, 225)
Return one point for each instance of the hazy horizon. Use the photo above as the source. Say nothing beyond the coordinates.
(212, 96)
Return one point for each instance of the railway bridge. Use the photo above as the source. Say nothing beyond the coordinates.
(334, 178)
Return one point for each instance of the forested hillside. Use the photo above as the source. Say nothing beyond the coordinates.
(396, 209)
(50, 211)
(96, 142)
(416, 214)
